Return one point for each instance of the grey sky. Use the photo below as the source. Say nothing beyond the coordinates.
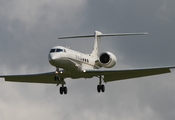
(28, 29)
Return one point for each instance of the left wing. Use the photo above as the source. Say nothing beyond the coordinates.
(114, 75)
(47, 78)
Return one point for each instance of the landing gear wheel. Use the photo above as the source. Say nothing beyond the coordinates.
(61, 90)
(65, 90)
(100, 88)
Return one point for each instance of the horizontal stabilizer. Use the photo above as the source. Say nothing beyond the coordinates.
(80, 36)
(122, 34)
(105, 35)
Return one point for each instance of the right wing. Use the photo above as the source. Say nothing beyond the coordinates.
(47, 78)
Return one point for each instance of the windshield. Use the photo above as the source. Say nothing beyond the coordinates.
(57, 50)
(52, 50)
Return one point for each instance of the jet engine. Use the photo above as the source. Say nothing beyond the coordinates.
(107, 59)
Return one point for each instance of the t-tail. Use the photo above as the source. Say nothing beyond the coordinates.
(97, 35)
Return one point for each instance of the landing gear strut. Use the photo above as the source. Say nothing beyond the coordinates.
(63, 89)
(56, 77)
(100, 87)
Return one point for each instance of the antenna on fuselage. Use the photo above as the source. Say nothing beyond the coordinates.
(97, 35)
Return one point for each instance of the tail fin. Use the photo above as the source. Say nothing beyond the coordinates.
(96, 43)
(98, 35)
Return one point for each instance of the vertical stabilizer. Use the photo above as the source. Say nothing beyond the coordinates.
(96, 44)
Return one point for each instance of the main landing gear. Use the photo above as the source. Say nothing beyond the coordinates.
(100, 87)
(56, 77)
(63, 89)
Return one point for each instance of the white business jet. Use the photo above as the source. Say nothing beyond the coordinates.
(72, 64)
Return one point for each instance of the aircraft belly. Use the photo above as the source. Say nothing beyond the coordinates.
(78, 75)
(67, 64)
(73, 69)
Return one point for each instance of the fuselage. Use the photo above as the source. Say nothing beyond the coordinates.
(71, 60)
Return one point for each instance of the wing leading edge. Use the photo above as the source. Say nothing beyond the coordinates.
(114, 75)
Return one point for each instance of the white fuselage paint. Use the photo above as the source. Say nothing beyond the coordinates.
(70, 60)
(74, 63)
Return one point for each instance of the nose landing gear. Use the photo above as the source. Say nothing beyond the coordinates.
(63, 89)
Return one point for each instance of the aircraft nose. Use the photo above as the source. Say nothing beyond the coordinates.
(51, 58)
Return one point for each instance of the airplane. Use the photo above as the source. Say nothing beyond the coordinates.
(73, 64)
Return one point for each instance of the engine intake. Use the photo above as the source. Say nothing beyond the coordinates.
(104, 58)
(107, 59)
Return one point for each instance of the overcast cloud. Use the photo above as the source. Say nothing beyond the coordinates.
(29, 29)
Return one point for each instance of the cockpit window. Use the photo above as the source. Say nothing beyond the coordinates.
(52, 50)
(59, 50)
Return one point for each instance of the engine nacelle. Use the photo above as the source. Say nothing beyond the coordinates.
(107, 59)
